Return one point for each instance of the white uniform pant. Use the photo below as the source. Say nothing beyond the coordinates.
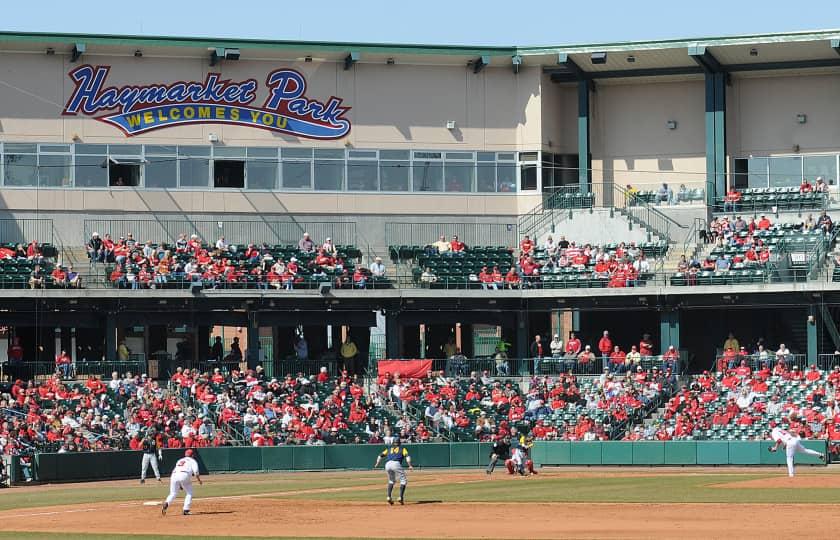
(518, 457)
(395, 471)
(791, 448)
(180, 480)
(149, 459)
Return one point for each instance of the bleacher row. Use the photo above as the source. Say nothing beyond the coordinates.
(774, 198)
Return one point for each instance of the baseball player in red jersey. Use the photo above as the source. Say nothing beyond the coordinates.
(181, 478)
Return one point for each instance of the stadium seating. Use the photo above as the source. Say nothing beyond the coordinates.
(770, 198)
(15, 269)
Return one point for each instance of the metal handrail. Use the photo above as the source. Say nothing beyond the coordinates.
(645, 213)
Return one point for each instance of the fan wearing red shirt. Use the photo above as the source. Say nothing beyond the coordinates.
(512, 279)
(526, 245)
(573, 345)
(605, 345)
(764, 223)
(617, 359)
(486, 279)
(456, 246)
(646, 346)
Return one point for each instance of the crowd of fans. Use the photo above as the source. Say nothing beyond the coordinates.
(189, 260)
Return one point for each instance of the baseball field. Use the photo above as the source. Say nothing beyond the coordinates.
(557, 503)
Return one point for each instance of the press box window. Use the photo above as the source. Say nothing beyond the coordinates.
(229, 174)
(124, 172)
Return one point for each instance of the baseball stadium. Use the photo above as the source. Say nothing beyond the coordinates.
(256, 288)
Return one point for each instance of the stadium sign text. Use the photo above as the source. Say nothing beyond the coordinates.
(138, 109)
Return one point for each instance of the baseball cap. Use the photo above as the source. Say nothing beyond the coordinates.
(189, 452)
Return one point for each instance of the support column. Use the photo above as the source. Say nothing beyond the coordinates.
(715, 136)
(669, 330)
(392, 336)
(584, 156)
(111, 337)
(811, 332)
(522, 334)
(252, 354)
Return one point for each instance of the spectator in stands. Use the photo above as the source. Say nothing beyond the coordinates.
(805, 186)
(428, 277)
(586, 360)
(764, 223)
(349, 353)
(646, 346)
(512, 279)
(302, 349)
(526, 246)
(820, 186)
(329, 247)
(605, 346)
(360, 277)
(664, 194)
(538, 351)
(556, 346)
(95, 249)
(59, 277)
(377, 269)
(633, 358)
(617, 360)
(441, 246)
(456, 247)
(731, 200)
(549, 246)
(485, 277)
(824, 222)
(37, 278)
(783, 354)
(64, 364)
(670, 359)
(217, 351)
(305, 244)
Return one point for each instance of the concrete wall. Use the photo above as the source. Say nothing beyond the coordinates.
(631, 143)
(397, 106)
(559, 117)
(762, 114)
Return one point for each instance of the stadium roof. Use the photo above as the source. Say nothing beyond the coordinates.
(758, 52)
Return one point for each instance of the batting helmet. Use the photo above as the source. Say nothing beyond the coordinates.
(397, 441)
(189, 452)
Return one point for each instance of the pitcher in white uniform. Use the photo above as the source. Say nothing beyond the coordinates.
(181, 478)
(792, 444)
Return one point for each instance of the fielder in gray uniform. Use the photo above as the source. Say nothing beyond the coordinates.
(150, 456)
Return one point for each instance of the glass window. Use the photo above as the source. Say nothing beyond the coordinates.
(55, 148)
(486, 177)
(459, 176)
(329, 153)
(194, 151)
(90, 171)
(362, 176)
(428, 176)
(785, 171)
(161, 172)
(394, 154)
(506, 177)
(228, 152)
(262, 152)
(297, 174)
(20, 168)
(825, 166)
(296, 152)
(54, 171)
(329, 175)
(365, 154)
(394, 175)
(89, 149)
(262, 174)
(757, 172)
(193, 171)
(20, 148)
(506, 156)
(125, 149)
(158, 150)
(466, 156)
(529, 177)
(548, 171)
(485, 156)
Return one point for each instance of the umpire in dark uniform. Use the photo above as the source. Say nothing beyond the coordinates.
(500, 450)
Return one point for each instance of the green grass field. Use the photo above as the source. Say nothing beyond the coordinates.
(630, 486)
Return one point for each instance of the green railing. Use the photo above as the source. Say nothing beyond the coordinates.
(472, 234)
(237, 232)
(642, 212)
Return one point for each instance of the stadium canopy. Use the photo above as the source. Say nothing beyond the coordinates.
(679, 57)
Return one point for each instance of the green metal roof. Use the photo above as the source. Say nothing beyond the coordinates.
(410, 49)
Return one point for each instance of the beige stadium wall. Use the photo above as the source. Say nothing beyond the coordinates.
(630, 142)
(559, 117)
(762, 114)
(397, 106)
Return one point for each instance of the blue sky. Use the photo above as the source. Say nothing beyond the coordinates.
(487, 22)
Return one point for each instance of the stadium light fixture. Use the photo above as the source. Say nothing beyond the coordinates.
(801, 118)
(351, 59)
(390, 61)
(307, 59)
(835, 44)
(138, 53)
(50, 51)
(598, 58)
(753, 52)
(479, 63)
(516, 60)
(631, 59)
(671, 124)
(220, 53)
(77, 52)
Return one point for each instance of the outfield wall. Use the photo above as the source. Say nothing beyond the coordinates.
(111, 465)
